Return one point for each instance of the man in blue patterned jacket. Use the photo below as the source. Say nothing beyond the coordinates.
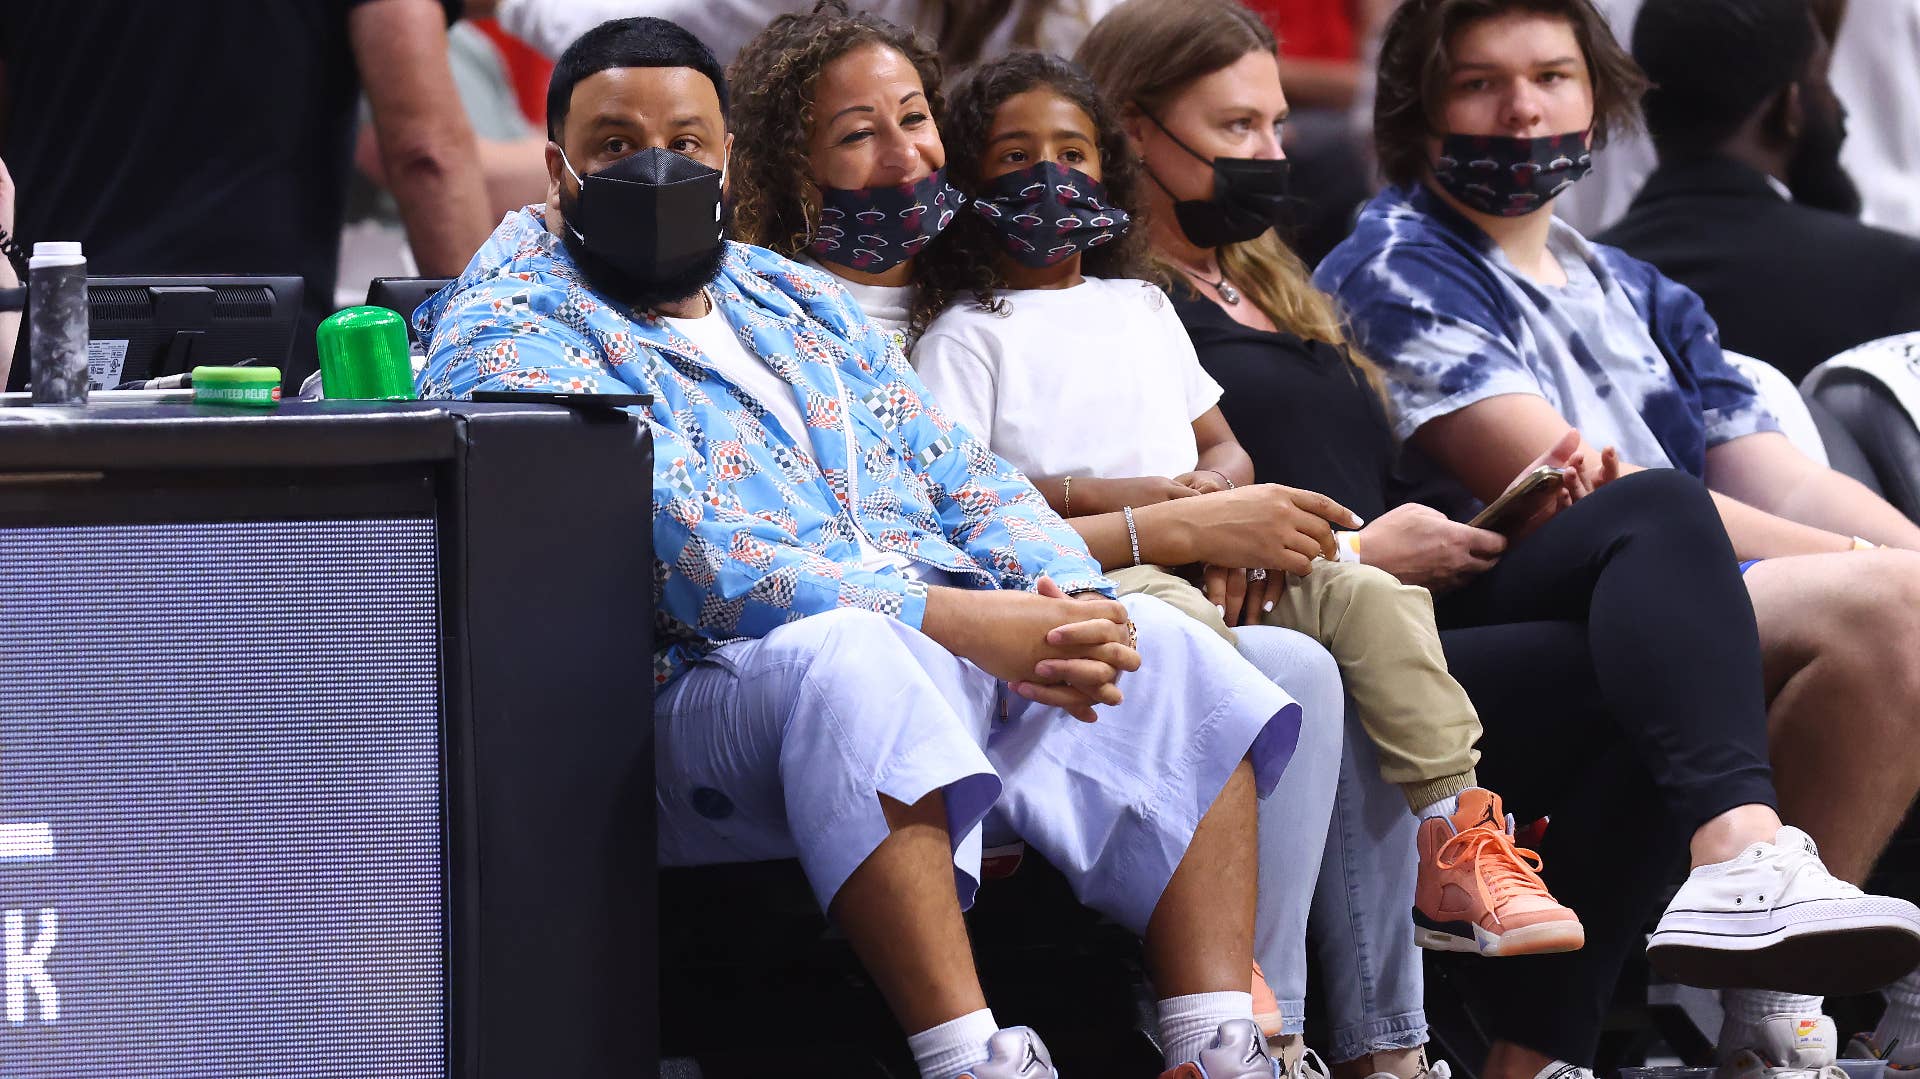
(877, 643)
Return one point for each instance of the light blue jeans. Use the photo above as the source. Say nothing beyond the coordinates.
(1337, 841)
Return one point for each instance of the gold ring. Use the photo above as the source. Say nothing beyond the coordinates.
(1133, 634)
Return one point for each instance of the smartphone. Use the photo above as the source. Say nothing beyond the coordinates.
(1521, 501)
(569, 400)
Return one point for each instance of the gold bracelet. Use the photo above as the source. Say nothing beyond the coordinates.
(1066, 499)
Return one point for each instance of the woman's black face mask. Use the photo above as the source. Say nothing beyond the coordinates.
(1249, 197)
(874, 229)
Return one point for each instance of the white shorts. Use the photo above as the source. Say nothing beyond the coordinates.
(779, 748)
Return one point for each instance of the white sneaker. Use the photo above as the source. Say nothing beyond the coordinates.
(1309, 1066)
(1774, 918)
(1435, 1070)
(1787, 1047)
(1439, 1069)
(1560, 1069)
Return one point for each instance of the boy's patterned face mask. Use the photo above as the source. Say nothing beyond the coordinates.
(1048, 212)
(874, 229)
(1509, 176)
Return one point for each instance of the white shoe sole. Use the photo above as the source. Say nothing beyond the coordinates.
(1542, 939)
(1820, 947)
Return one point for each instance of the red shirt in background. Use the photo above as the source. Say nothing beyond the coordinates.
(528, 69)
(1311, 29)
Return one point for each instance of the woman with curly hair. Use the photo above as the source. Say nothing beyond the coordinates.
(837, 161)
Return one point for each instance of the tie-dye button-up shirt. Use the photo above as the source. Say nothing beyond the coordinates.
(1624, 354)
(751, 529)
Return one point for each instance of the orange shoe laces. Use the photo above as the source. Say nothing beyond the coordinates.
(1500, 869)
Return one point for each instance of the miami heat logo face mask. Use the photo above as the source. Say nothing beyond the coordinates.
(1047, 212)
(1508, 176)
(874, 229)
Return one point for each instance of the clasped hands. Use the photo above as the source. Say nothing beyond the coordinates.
(1049, 647)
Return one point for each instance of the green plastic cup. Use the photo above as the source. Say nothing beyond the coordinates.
(363, 355)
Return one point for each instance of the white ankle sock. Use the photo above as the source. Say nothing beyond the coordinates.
(945, 1051)
(1445, 807)
(1901, 1022)
(1188, 1024)
(1746, 1009)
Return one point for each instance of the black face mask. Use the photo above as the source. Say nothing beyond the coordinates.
(1511, 176)
(874, 229)
(1046, 213)
(1249, 197)
(647, 229)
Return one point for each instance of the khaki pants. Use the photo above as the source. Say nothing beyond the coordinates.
(1382, 635)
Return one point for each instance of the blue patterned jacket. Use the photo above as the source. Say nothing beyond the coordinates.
(750, 530)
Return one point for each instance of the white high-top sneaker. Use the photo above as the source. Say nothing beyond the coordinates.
(1774, 918)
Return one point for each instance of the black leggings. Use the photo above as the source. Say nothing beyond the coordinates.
(1615, 662)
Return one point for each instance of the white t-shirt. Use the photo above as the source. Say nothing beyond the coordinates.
(886, 306)
(723, 351)
(1095, 380)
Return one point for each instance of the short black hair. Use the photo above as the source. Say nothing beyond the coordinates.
(1713, 62)
(642, 41)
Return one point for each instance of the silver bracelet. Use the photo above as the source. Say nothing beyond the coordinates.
(1133, 534)
(1224, 478)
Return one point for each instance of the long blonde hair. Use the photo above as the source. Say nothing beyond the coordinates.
(1144, 54)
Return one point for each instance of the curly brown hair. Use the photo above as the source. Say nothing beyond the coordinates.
(964, 258)
(776, 203)
(1416, 61)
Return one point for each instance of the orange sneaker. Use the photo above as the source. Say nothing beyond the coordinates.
(1477, 892)
(1266, 1009)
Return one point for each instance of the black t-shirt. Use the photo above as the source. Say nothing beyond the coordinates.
(1301, 409)
(214, 136)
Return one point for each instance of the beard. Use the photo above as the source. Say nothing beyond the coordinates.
(1815, 175)
(636, 292)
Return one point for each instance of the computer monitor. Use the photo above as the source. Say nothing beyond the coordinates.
(284, 788)
(405, 295)
(144, 327)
